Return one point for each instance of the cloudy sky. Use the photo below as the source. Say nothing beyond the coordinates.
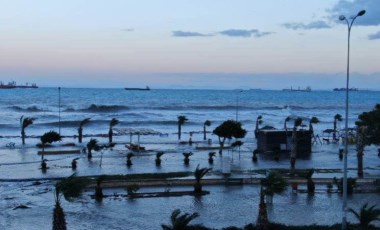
(220, 44)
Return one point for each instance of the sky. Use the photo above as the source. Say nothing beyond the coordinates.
(205, 44)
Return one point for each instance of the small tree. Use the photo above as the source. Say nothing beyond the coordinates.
(25, 122)
(211, 156)
(158, 158)
(207, 123)
(366, 215)
(274, 183)
(259, 120)
(49, 137)
(92, 145)
(113, 123)
(70, 188)
(368, 133)
(129, 159)
(313, 120)
(187, 155)
(80, 129)
(228, 130)
(310, 182)
(181, 121)
(180, 222)
(337, 118)
(199, 173)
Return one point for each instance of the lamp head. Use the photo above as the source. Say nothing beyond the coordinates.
(342, 17)
(361, 13)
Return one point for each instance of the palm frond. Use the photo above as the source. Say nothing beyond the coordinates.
(114, 122)
(84, 121)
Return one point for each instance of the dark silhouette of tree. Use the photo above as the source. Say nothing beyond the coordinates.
(211, 156)
(180, 222)
(368, 132)
(92, 145)
(181, 121)
(113, 123)
(25, 122)
(262, 218)
(259, 120)
(310, 182)
(80, 129)
(70, 188)
(199, 173)
(207, 123)
(158, 158)
(49, 137)
(274, 183)
(366, 215)
(228, 130)
(337, 118)
(187, 155)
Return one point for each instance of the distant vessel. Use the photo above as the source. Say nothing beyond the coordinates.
(13, 85)
(146, 88)
(344, 89)
(307, 89)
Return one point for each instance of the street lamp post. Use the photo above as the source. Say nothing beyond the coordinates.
(237, 105)
(349, 25)
(59, 110)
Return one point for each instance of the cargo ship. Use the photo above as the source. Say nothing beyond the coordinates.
(13, 85)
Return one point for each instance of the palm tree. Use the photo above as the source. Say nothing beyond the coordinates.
(113, 122)
(49, 137)
(211, 156)
(199, 173)
(207, 123)
(181, 121)
(262, 218)
(187, 155)
(293, 154)
(366, 215)
(70, 188)
(92, 145)
(180, 222)
(80, 129)
(337, 118)
(287, 119)
(313, 120)
(98, 188)
(158, 158)
(360, 145)
(310, 182)
(25, 122)
(129, 159)
(228, 130)
(258, 122)
(274, 183)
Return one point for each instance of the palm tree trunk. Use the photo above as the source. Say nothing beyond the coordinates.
(23, 136)
(59, 222)
(204, 132)
(221, 145)
(293, 154)
(179, 131)
(334, 133)
(262, 218)
(360, 147)
(80, 134)
(110, 133)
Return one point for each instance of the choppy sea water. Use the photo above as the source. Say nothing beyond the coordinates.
(158, 110)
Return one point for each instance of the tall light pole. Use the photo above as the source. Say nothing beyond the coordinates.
(59, 110)
(237, 105)
(349, 25)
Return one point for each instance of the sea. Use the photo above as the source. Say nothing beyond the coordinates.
(157, 109)
(25, 201)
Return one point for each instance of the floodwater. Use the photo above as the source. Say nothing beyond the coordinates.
(224, 206)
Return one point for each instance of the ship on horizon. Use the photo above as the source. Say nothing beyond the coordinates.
(344, 89)
(146, 88)
(13, 85)
(307, 89)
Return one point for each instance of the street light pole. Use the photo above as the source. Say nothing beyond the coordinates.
(349, 25)
(59, 110)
